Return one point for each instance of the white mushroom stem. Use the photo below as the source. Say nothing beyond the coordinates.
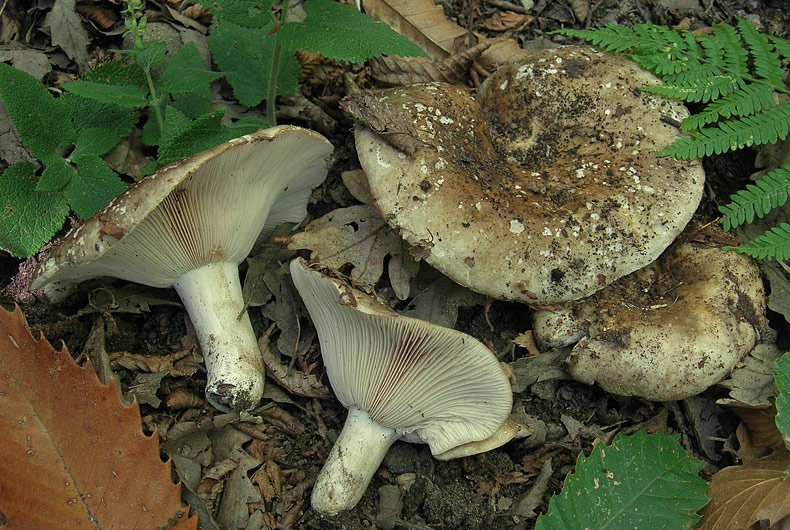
(355, 457)
(212, 296)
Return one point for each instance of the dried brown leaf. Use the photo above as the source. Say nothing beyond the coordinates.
(72, 454)
(269, 480)
(293, 380)
(356, 236)
(103, 18)
(761, 422)
(507, 21)
(744, 495)
(501, 52)
(410, 70)
(422, 21)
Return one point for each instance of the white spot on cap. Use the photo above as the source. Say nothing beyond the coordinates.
(503, 86)
(516, 227)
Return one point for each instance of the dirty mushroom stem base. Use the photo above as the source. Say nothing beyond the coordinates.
(213, 298)
(355, 457)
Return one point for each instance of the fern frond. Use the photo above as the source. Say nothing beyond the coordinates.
(703, 90)
(766, 62)
(750, 99)
(775, 243)
(782, 46)
(610, 37)
(766, 127)
(768, 192)
(736, 58)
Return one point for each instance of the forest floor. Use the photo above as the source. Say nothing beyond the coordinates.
(145, 337)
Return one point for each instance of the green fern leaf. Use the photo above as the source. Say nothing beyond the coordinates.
(768, 192)
(782, 46)
(610, 37)
(736, 57)
(775, 243)
(750, 99)
(766, 62)
(702, 90)
(766, 127)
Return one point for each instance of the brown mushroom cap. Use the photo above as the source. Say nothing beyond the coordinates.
(549, 192)
(667, 331)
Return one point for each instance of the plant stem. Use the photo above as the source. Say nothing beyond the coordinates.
(271, 115)
(155, 100)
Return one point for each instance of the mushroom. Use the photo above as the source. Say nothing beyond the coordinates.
(547, 190)
(399, 378)
(188, 226)
(667, 331)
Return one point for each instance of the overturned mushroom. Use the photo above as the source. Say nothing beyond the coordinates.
(547, 190)
(400, 378)
(189, 226)
(667, 331)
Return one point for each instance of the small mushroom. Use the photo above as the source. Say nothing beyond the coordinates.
(400, 378)
(547, 190)
(667, 331)
(188, 226)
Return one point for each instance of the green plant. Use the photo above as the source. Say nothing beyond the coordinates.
(736, 73)
(639, 481)
(70, 135)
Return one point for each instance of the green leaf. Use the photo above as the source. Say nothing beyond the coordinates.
(768, 192)
(92, 187)
(782, 380)
(245, 55)
(57, 174)
(184, 137)
(775, 243)
(123, 95)
(339, 31)
(151, 55)
(245, 13)
(28, 218)
(41, 121)
(247, 126)
(640, 481)
(185, 72)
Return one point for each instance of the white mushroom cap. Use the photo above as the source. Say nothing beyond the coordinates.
(667, 331)
(400, 378)
(547, 190)
(189, 225)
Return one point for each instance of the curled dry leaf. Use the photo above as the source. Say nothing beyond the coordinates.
(410, 70)
(507, 21)
(73, 456)
(421, 21)
(358, 236)
(292, 380)
(502, 52)
(741, 496)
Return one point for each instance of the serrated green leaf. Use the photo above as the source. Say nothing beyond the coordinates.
(127, 96)
(782, 380)
(100, 126)
(339, 31)
(193, 104)
(28, 218)
(184, 137)
(92, 187)
(248, 126)
(56, 175)
(41, 121)
(641, 481)
(151, 55)
(245, 13)
(185, 72)
(245, 55)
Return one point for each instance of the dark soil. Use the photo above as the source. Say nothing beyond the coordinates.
(480, 492)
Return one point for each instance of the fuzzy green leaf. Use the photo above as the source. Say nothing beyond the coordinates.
(184, 137)
(768, 192)
(151, 55)
(245, 13)
(185, 72)
(775, 243)
(127, 96)
(28, 218)
(55, 176)
(766, 127)
(339, 31)
(92, 187)
(782, 380)
(41, 121)
(640, 481)
(245, 55)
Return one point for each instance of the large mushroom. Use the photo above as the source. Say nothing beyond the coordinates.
(547, 190)
(400, 378)
(188, 226)
(667, 331)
